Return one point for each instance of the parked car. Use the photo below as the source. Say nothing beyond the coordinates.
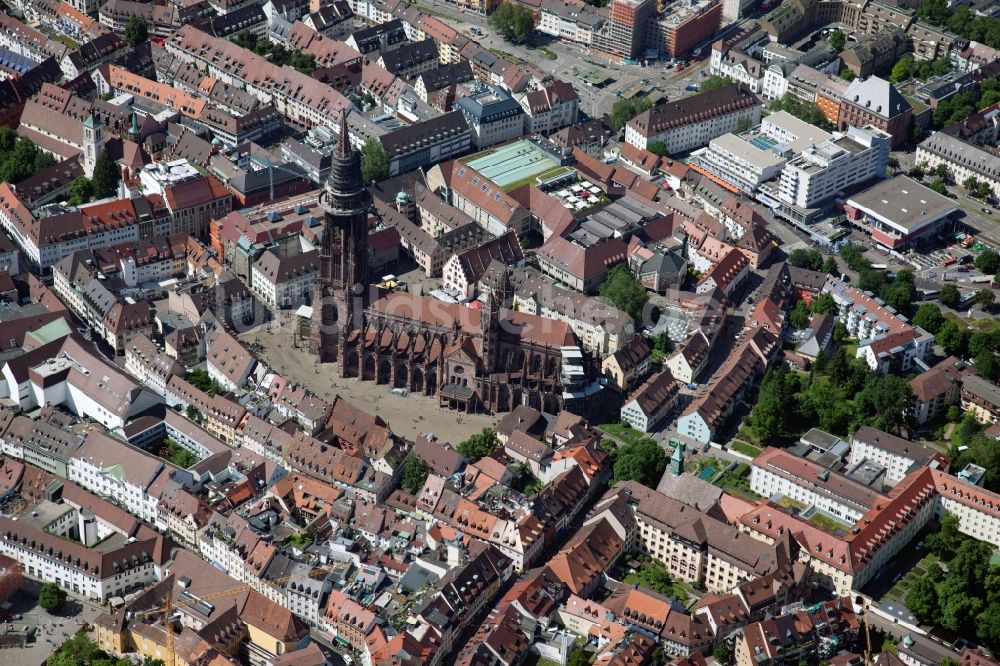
(692, 87)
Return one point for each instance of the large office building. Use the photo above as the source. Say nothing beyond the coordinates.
(683, 26)
(821, 171)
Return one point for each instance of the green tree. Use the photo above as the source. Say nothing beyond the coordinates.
(989, 92)
(723, 653)
(643, 461)
(953, 338)
(830, 266)
(838, 40)
(43, 161)
(929, 318)
(810, 259)
(136, 31)
(883, 402)
(802, 110)
(81, 191)
(949, 295)
(798, 318)
(713, 82)
(922, 599)
(847, 74)
(661, 343)
(971, 185)
(939, 186)
(625, 110)
(374, 161)
(934, 11)
(984, 341)
(987, 365)
(578, 657)
(988, 262)
(415, 472)
(899, 295)
(657, 148)
(8, 137)
(774, 417)
(479, 445)
(51, 597)
(945, 542)
(902, 70)
(106, 176)
(200, 379)
(985, 298)
(742, 125)
(192, 412)
(622, 289)
(514, 22)
(824, 304)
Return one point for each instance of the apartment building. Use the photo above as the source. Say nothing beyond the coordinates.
(735, 64)
(228, 362)
(285, 281)
(693, 121)
(299, 97)
(715, 402)
(602, 328)
(652, 402)
(549, 108)
(464, 270)
(571, 21)
(937, 389)
(981, 398)
(683, 26)
(737, 164)
(151, 366)
(798, 635)
(870, 320)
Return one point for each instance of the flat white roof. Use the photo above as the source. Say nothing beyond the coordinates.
(903, 204)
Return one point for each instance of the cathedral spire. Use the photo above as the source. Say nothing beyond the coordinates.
(343, 141)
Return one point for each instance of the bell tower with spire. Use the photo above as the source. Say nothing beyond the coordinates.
(489, 321)
(341, 290)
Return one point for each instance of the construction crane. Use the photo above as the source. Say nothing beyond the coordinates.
(169, 605)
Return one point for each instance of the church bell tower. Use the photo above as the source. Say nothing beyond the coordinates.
(341, 290)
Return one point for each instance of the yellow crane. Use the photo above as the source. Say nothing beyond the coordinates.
(168, 606)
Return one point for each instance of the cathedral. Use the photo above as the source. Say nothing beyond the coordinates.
(492, 359)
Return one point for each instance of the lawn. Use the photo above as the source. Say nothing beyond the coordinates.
(788, 503)
(737, 482)
(530, 180)
(744, 448)
(919, 570)
(625, 433)
(828, 523)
